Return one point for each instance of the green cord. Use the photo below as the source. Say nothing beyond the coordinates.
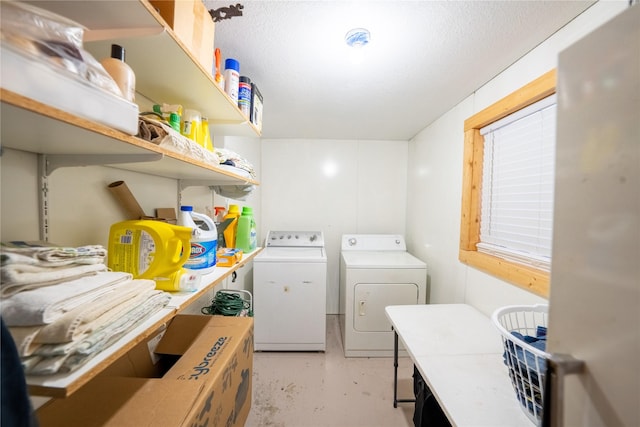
(227, 304)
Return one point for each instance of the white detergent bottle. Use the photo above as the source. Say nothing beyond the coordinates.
(204, 241)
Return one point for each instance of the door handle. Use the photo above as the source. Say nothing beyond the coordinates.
(362, 311)
(558, 366)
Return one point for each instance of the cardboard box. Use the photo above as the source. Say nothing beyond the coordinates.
(199, 375)
(193, 25)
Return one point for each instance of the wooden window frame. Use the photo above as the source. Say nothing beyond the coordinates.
(529, 278)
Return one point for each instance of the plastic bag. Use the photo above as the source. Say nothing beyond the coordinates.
(49, 37)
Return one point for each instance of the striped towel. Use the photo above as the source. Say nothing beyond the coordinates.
(80, 352)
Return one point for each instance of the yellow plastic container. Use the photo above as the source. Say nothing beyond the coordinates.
(152, 250)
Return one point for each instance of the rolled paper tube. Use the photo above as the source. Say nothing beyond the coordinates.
(124, 197)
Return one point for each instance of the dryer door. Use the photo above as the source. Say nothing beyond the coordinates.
(370, 299)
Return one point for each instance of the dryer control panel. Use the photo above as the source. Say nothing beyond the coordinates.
(304, 239)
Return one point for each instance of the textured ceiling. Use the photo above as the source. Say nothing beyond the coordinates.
(423, 58)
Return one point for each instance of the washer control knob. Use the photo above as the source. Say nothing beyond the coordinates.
(397, 241)
(352, 241)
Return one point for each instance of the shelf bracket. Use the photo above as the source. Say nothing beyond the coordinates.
(52, 162)
(43, 199)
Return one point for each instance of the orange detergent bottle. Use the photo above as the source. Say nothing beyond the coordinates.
(229, 233)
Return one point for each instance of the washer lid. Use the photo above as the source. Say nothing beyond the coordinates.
(381, 259)
(291, 254)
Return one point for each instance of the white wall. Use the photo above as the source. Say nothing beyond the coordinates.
(435, 177)
(336, 187)
(81, 208)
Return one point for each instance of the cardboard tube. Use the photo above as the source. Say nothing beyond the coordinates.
(124, 197)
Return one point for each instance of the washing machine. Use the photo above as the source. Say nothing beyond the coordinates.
(375, 271)
(290, 292)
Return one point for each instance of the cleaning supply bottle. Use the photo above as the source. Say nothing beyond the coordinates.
(246, 238)
(232, 78)
(121, 72)
(192, 125)
(152, 250)
(232, 227)
(207, 142)
(204, 242)
(244, 95)
(218, 77)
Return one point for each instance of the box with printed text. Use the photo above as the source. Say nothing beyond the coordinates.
(197, 372)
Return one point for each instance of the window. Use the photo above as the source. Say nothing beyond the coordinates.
(517, 252)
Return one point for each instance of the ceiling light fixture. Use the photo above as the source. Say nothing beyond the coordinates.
(358, 37)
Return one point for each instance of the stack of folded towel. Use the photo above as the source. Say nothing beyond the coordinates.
(63, 307)
(24, 266)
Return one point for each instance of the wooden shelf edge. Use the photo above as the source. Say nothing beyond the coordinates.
(38, 108)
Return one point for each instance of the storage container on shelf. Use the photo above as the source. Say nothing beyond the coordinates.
(230, 231)
(203, 242)
(246, 238)
(152, 250)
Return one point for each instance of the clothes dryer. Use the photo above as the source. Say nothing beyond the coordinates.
(290, 292)
(375, 271)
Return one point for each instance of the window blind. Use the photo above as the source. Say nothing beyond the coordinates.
(517, 185)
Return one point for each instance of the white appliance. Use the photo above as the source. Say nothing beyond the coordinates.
(290, 292)
(375, 271)
(594, 304)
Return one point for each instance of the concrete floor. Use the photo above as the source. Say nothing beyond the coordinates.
(315, 389)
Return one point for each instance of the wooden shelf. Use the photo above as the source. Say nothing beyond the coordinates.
(63, 385)
(165, 72)
(61, 133)
(165, 69)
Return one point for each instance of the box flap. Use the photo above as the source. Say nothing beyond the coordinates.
(181, 333)
(214, 347)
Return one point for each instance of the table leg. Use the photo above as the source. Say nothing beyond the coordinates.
(395, 373)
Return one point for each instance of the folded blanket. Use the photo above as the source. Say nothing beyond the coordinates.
(112, 315)
(46, 304)
(228, 157)
(52, 256)
(23, 337)
(165, 136)
(15, 278)
(90, 316)
(93, 344)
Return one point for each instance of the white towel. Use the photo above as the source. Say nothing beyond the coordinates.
(53, 255)
(91, 316)
(15, 278)
(47, 304)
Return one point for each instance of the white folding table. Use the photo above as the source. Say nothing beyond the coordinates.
(458, 352)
